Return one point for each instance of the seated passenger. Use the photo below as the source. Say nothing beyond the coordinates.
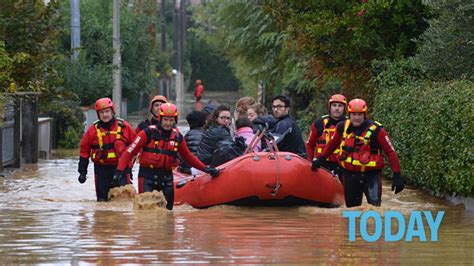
(216, 130)
(244, 129)
(242, 105)
(287, 133)
(196, 120)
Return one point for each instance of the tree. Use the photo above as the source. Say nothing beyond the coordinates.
(245, 34)
(342, 38)
(91, 76)
(447, 46)
(29, 31)
(209, 66)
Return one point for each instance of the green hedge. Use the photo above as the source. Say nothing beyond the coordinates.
(431, 125)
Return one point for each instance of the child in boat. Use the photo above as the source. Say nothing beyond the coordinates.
(244, 129)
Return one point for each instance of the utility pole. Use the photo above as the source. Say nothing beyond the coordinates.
(183, 33)
(163, 45)
(175, 33)
(163, 25)
(177, 42)
(117, 60)
(181, 48)
(75, 29)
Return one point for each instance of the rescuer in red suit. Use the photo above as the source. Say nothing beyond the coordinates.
(361, 142)
(104, 142)
(161, 144)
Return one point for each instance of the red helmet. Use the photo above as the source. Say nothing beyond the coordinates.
(337, 98)
(157, 98)
(168, 109)
(357, 106)
(198, 81)
(104, 103)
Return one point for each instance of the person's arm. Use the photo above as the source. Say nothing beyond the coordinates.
(129, 133)
(86, 144)
(386, 146)
(132, 135)
(311, 143)
(132, 150)
(138, 129)
(186, 155)
(282, 126)
(84, 151)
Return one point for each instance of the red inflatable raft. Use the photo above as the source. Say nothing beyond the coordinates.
(264, 178)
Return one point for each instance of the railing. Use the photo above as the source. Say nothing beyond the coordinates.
(7, 144)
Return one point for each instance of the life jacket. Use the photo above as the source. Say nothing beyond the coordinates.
(104, 151)
(323, 140)
(161, 153)
(356, 154)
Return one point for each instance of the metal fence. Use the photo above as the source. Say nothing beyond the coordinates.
(7, 131)
(13, 118)
(7, 134)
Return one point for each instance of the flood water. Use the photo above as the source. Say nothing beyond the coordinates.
(46, 216)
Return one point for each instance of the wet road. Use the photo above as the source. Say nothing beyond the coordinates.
(46, 216)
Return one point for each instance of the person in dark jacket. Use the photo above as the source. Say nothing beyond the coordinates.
(216, 130)
(287, 133)
(196, 120)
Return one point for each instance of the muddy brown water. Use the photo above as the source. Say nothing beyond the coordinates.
(46, 216)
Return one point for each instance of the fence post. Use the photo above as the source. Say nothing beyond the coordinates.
(17, 132)
(30, 128)
(1, 148)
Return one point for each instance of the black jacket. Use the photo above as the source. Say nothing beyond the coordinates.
(227, 150)
(261, 122)
(210, 140)
(289, 136)
(193, 138)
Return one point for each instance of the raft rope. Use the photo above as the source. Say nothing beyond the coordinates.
(255, 140)
(274, 149)
(251, 144)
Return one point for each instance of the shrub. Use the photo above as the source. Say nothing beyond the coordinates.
(431, 126)
(68, 121)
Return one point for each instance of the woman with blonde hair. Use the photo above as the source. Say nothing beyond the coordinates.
(242, 105)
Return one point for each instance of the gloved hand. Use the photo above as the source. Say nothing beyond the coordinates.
(397, 183)
(240, 143)
(318, 163)
(268, 135)
(117, 177)
(82, 178)
(184, 170)
(212, 171)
